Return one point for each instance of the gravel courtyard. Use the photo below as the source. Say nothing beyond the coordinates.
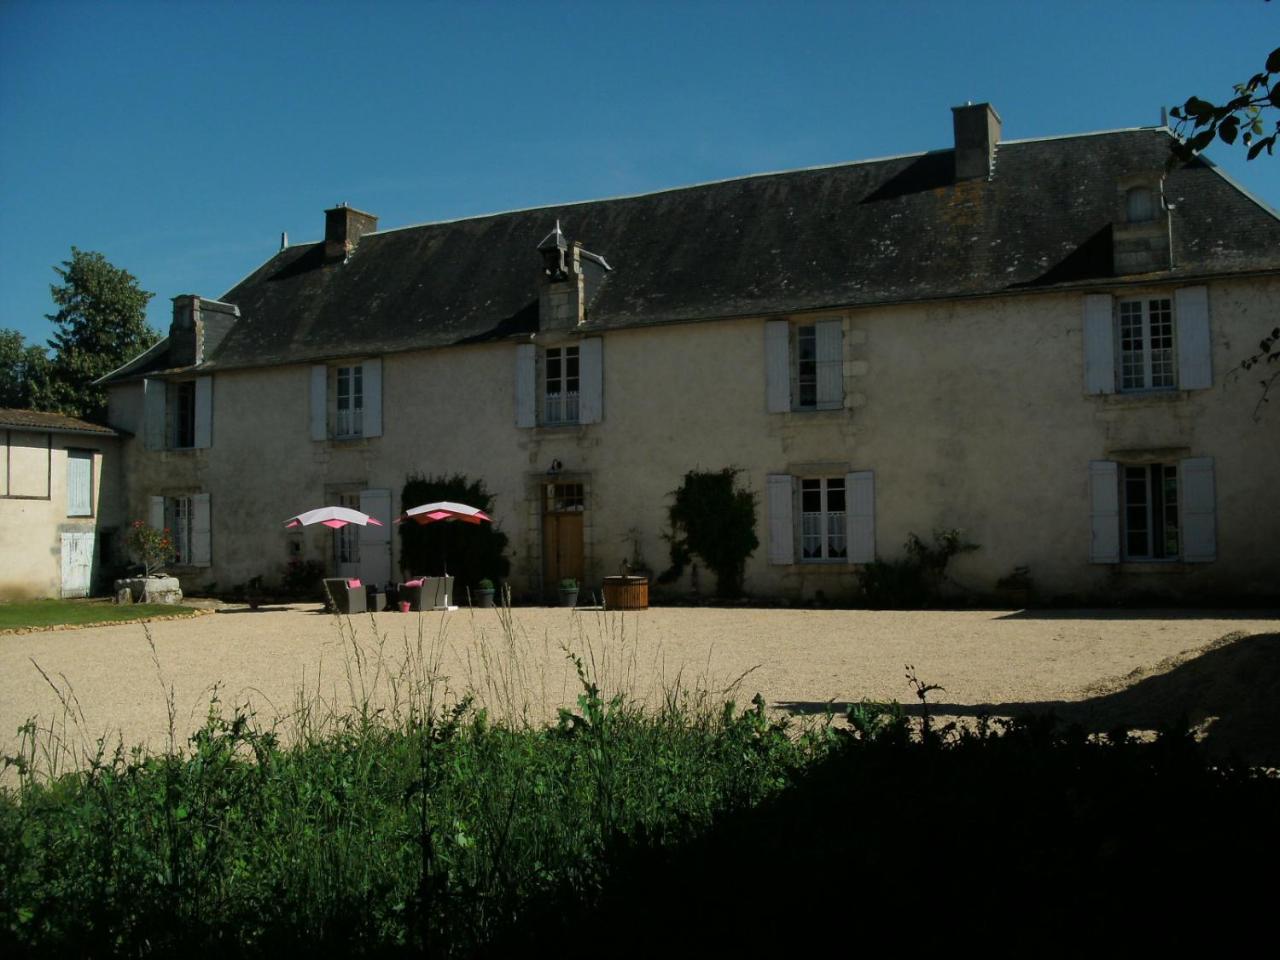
(1098, 666)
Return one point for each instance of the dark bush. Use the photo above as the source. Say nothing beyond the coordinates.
(469, 552)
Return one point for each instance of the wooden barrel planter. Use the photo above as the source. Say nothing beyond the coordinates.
(626, 593)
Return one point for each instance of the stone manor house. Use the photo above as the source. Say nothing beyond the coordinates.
(1029, 340)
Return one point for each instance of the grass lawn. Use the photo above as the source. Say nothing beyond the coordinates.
(48, 613)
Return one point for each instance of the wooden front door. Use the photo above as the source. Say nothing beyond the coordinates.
(562, 551)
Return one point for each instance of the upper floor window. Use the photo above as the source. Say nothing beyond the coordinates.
(1140, 205)
(1144, 329)
(349, 396)
(561, 385)
(178, 414)
(346, 400)
(182, 414)
(1148, 343)
(804, 365)
(557, 386)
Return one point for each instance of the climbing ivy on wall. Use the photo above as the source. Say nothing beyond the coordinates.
(470, 552)
(714, 519)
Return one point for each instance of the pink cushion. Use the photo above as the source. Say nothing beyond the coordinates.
(413, 583)
(354, 583)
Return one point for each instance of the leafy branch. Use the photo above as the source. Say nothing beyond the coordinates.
(1241, 117)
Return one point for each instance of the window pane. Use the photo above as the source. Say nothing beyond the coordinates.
(1161, 320)
(1137, 542)
(811, 496)
(1169, 484)
(1132, 346)
(835, 496)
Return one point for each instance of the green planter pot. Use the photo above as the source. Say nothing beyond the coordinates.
(569, 598)
(482, 598)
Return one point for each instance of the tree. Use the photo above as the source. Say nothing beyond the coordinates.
(24, 370)
(1242, 117)
(712, 518)
(100, 324)
(470, 552)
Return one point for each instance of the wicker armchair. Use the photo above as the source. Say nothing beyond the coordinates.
(344, 598)
(434, 593)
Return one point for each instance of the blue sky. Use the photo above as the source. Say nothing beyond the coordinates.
(180, 139)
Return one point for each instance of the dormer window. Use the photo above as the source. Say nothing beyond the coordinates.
(1140, 205)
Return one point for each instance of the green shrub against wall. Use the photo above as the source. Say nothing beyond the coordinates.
(712, 518)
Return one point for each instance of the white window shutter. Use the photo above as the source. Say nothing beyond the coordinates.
(781, 529)
(1104, 502)
(591, 380)
(319, 402)
(204, 412)
(1099, 344)
(1195, 359)
(527, 384)
(1199, 541)
(153, 414)
(200, 534)
(860, 515)
(155, 513)
(829, 337)
(79, 484)
(372, 398)
(777, 366)
(375, 542)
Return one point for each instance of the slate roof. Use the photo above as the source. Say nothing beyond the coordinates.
(872, 232)
(50, 422)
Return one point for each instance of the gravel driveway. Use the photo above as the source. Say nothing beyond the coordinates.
(798, 659)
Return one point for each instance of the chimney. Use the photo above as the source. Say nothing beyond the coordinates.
(561, 299)
(343, 228)
(977, 131)
(197, 329)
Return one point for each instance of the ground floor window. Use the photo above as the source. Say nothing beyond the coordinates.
(346, 540)
(1150, 509)
(822, 519)
(178, 515)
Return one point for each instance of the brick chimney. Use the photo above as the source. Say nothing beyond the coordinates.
(977, 131)
(198, 326)
(343, 228)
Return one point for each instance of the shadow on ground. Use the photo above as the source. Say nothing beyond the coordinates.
(1230, 689)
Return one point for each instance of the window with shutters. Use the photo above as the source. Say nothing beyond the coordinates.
(348, 394)
(79, 483)
(561, 385)
(822, 519)
(1149, 511)
(1145, 344)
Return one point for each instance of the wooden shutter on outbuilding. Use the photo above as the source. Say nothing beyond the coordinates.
(1191, 322)
(829, 341)
(201, 536)
(153, 413)
(777, 366)
(1099, 344)
(372, 399)
(319, 402)
(1199, 526)
(1104, 503)
(591, 380)
(527, 385)
(781, 530)
(79, 483)
(204, 412)
(860, 515)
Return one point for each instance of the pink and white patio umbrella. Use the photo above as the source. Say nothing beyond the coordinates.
(444, 510)
(334, 517)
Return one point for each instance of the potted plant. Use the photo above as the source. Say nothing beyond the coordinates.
(568, 592)
(482, 595)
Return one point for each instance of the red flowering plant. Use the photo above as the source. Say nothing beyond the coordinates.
(154, 548)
